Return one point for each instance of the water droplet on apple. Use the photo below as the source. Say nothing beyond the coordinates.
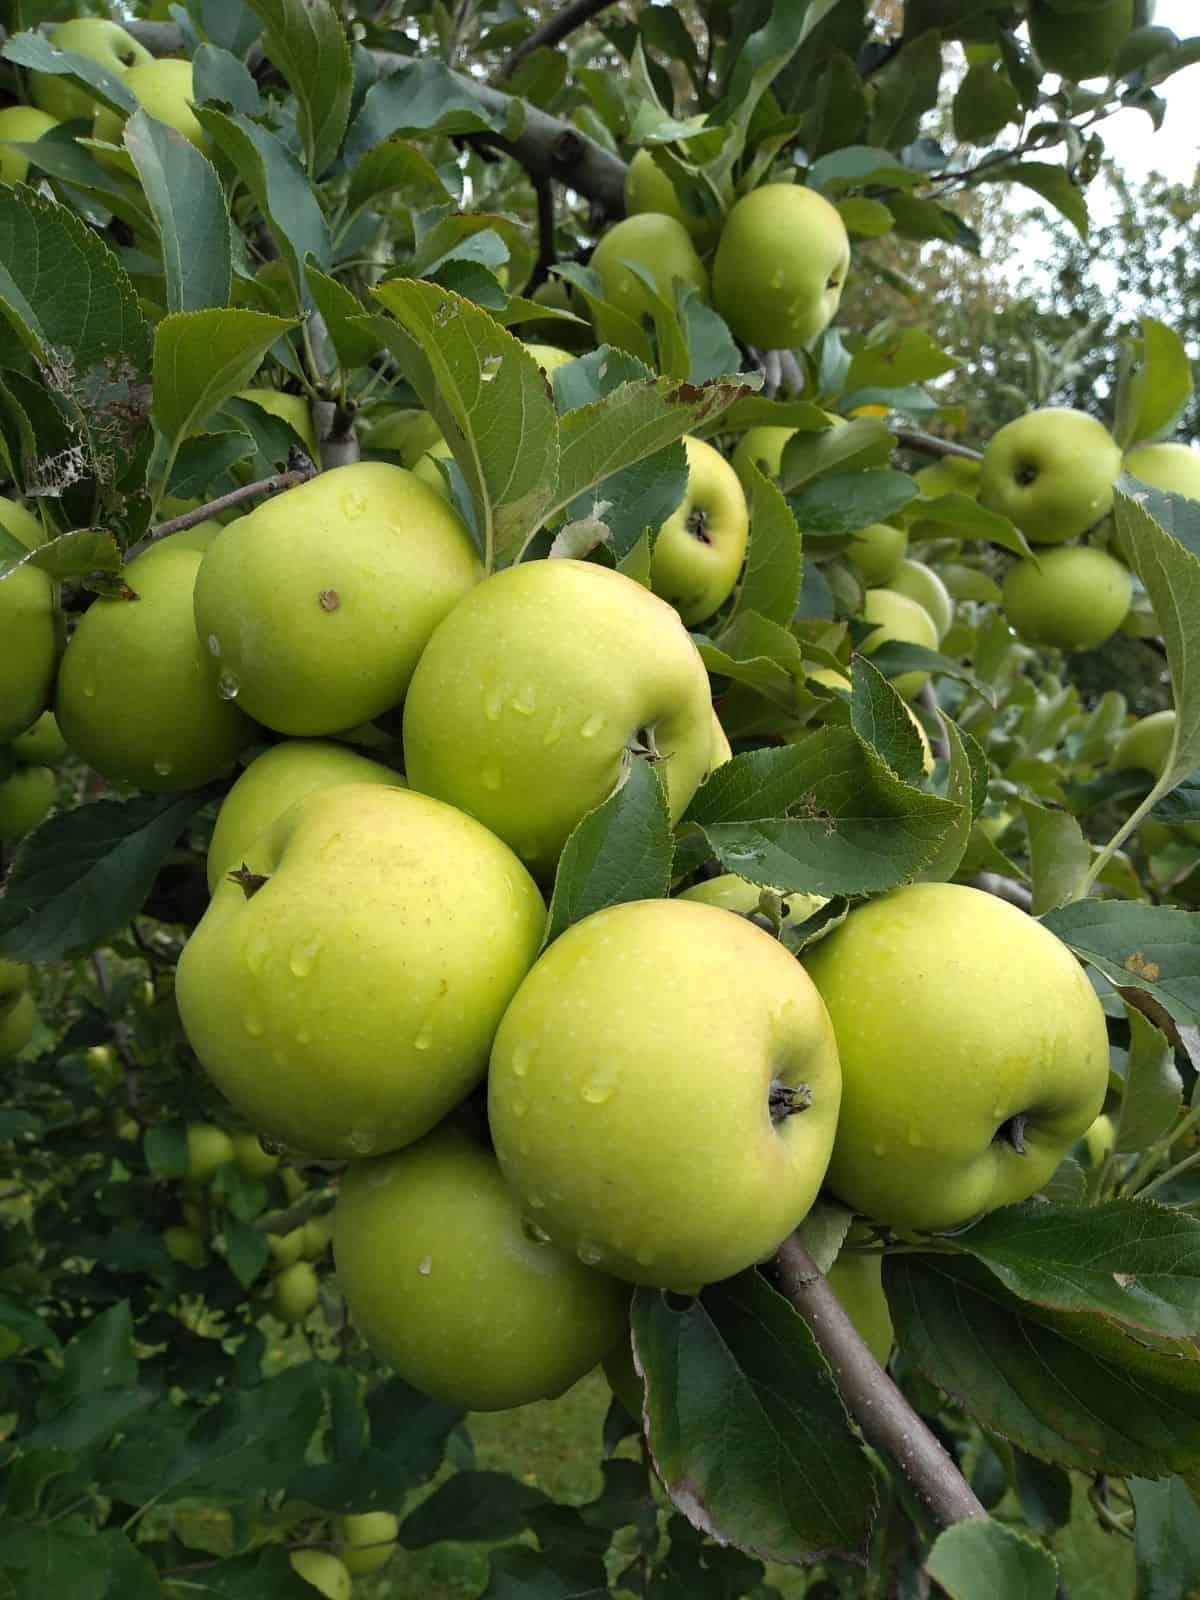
(362, 1141)
(525, 702)
(490, 776)
(89, 690)
(533, 1232)
(303, 957)
(353, 506)
(590, 1254)
(593, 725)
(597, 1090)
(257, 949)
(493, 704)
(519, 1106)
(228, 687)
(253, 1025)
(162, 767)
(521, 1057)
(425, 1266)
(777, 278)
(879, 1149)
(536, 1202)
(424, 1038)
(214, 645)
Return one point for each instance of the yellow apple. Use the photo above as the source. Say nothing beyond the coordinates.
(102, 41)
(1072, 598)
(645, 1089)
(549, 357)
(732, 893)
(286, 1248)
(899, 617)
(430, 473)
(722, 750)
(252, 1160)
(348, 1002)
(164, 90)
(856, 1277)
(403, 432)
(20, 125)
(700, 548)
(1051, 472)
(316, 606)
(324, 1572)
(780, 266)
(1100, 1139)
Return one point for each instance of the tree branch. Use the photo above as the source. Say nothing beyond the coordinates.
(1004, 889)
(235, 497)
(884, 1416)
(546, 256)
(553, 31)
(930, 445)
(938, 743)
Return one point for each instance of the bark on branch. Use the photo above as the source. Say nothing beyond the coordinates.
(884, 1416)
(235, 498)
(1004, 889)
(930, 445)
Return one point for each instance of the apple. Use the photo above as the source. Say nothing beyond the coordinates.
(856, 1277)
(164, 91)
(403, 432)
(251, 1159)
(922, 584)
(1073, 597)
(1079, 47)
(208, 1147)
(315, 1237)
(28, 628)
(702, 544)
(948, 475)
(1100, 1140)
(657, 243)
(14, 980)
(139, 697)
(980, 1059)
(899, 617)
(292, 409)
(102, 41)
(369, 1540)
(324, 1572)
(633, 1094)
(275, 780)
(104, 1067)
(1174, 467)
(16, 1026)
(1051, 472)
(430, 473)
(295, 1290)
(732, 893)
(528, 698)
(286, 1248)
(20, 125)
(316, 605)
(722, 750)
(1146, 744)
(26, 796)
(186, 1246)
(763, 447)
(649, 188)
(41, 743)
(549, 357)
(780, 266)
(449, 1283)
(877, 551)
(347, 1002)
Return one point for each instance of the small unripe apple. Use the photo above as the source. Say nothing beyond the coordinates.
(104, 1067)
(429, 472)
(26, 797)
(14, 980)
(16, 1026)
(325, 1573)
(877, 552)
(1100, 1139)
(186, 1246)
(20, 125)
(922, 584)
(28, 628)
(899, 617)
(295, 1292)
(700, 548)
(208, 1147)
(370, 1540)
(41, 743)
(1051, 472)
(316, 1235)
(763, 447)
(286, 1248)
(648, 188)
(780, 266)
(549, 357)
(252, 1160)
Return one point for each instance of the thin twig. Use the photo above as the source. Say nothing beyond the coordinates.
(882, 1413)
(547, 255)
(1004, 889)
(939, 742)
(930, 445)
(235, 497)
(553, 31)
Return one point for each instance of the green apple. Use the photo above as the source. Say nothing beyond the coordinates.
(104, 1067)
(1146, 744)
(1051, 472)
(286, 1248)
(139, 697)
(315, 1237)
(102, 41)
(877, 551)
(1100, 1140)
(20, 125)
(624, 1056)
(317, 605)
(922, 584)
(1079, 47)
(980, 1058)
(348, 1002)
(369, 1540)
(41, 743)
(530, 695)
(186, 1246)
(722, 750)
(292, 409)
(450, 1285)
(251, 1159)
(26, 797)
(732, 893)
(658, 244)
(701, 546)
(549, 357)
(406, 433)
(948, 475)
(780, 266)
(324, 1572)
(763, 447)
(28, 628)
(902, 618)
(1174, 467)
(430, 473)
(648, 188)
(14, 980)
(295, 1290)
(16, 1026)
(208, 1147)
(1072, 598)
(164, 91)
(856, 1277)
(275, 780)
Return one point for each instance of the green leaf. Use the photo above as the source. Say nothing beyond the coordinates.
(70, 555)
(761, 654)
(762, 1454)
(620, 851)
(869, 219)
(905, 89)
(986, 1560)
(1153, 1092)
(202, 358)
(865, 442)
(1182, 804)
(101, 1355)
(203, 459)
(844, 502)
(1140, 949)
(396, 168)
(219, 75)
(83, 874)
(966, 786)
(307, 42)
(1068, 1388)
(68, 1559)
(984, 104)
(965, 518)
(860, 166)
(1167, 1538)
(488, 396)
(756, 411)
(423, 97)
(351, 340)
(826, 816)
(1132, 1261)
(66, 160)
(774, 566)
(900, 356)
(882, 720)
(39, 54)
(1155, 389)
(1059, 856)
(472, 1506)
(189, 208)
(1054, 184)
(634, 503)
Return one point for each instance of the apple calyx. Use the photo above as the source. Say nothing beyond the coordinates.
(1026, 474)
(1012, 1132)
(645, 744)
(249, 882)
(697, 525)
(785, 1100)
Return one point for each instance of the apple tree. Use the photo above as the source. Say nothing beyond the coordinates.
(559, 814)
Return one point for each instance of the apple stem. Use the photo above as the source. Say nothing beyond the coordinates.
(1012, 1132)
(784, 1100)
(878, 1407)
(249, 882)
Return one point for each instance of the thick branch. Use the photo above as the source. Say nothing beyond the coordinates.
(930, 445)
(235, 497)
(883, 1414)
(553, 31)
(1004, 889)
